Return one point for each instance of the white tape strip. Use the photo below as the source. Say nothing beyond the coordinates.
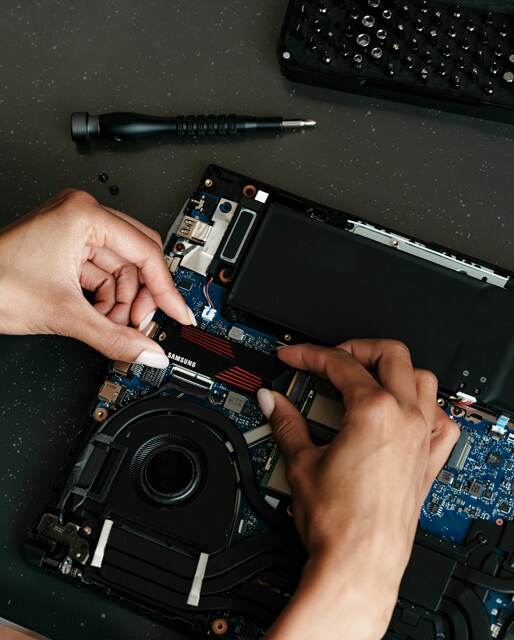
(193, 598)
(257, 434)
(98, 556)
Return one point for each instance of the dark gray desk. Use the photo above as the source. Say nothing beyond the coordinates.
(438, 176)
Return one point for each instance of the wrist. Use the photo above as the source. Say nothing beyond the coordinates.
(343, 594)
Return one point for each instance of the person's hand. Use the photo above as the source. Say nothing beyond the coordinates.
(72, 243)
(356, 501)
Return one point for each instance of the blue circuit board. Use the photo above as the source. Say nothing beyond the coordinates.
(206, 306)
(477, 482)
(480, 486)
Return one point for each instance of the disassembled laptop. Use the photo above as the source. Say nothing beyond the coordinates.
(174, 498)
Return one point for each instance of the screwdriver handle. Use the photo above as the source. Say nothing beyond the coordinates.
(123, 126)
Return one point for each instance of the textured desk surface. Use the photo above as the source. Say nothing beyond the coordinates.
(441, 177)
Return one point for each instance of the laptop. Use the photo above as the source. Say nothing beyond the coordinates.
(174, 498)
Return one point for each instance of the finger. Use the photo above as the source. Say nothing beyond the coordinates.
(290, 430)
(92, 278)
(122, 238)
(127, 281)
(151, 233)
(426, 385)
(117, 342)
(343, 370)
(391, 360)
(443, 440)
(144, 305)
(127, 288)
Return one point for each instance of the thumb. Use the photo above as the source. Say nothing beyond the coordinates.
(113, 340)
(290, 430)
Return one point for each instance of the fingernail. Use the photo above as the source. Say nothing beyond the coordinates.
(280, 346)
(155, 358)
(266, 402)
(192, 317)
(145, 321)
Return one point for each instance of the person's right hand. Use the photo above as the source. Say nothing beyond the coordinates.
(357, 501)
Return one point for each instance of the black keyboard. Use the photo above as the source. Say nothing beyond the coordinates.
(436, 54)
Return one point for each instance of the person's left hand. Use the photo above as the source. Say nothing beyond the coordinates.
(72, 243)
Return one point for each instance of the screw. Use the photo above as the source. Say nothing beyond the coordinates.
(208, 183)
(344, 51)
(357, 61)
(114, 190)
(508, 79)
(162, 336)
(87, 531)
(103, 177)
(423, 75)
(363, 40)
(400, 31)
(287, 56)
(376, 54)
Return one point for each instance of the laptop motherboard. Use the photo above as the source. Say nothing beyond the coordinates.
(174, 498)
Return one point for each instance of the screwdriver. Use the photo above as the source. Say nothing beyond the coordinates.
(123, 126)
